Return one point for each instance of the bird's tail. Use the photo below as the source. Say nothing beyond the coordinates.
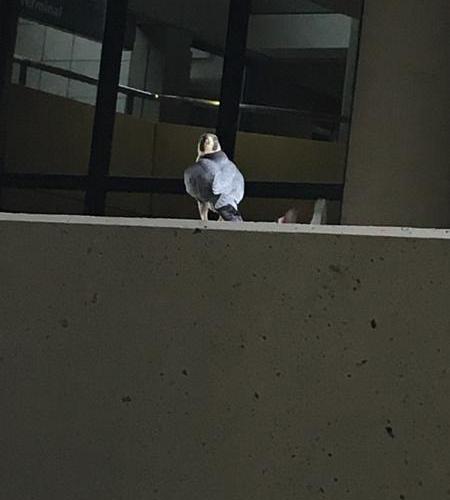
(229, 213)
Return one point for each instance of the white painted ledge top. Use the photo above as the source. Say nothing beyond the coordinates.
(271, 227)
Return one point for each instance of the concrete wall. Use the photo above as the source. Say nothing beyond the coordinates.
(57, 131)
(57, 135)
(51, 134)
(398, 167)
(153, 360)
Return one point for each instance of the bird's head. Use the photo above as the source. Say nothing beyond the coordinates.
(208, 143)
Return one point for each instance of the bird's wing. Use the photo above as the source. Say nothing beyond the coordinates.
(198, 179)
(223, 179)
(190, 181)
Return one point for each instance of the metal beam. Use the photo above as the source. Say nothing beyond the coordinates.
(9, 12)
(233, 74)
(105, 108)
(253, 189)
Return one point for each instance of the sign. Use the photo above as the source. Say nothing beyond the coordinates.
(85, 18)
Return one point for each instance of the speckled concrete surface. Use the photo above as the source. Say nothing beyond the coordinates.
(161, 360)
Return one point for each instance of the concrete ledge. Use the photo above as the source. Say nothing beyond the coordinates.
(384, 231)
(144, 359)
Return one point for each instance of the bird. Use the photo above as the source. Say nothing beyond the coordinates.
(290, 217)
(215, 181)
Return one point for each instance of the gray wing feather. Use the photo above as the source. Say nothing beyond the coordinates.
(198, 180)
(225, 179)
(189, 185)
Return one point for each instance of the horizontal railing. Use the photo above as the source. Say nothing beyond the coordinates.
(132, 93)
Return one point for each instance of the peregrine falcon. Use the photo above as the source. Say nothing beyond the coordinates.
(215, 181)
